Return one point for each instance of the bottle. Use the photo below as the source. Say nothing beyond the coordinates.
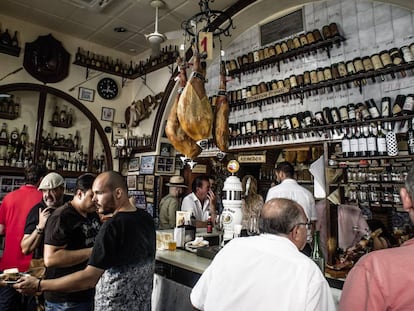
(317, 255)
(346, 144)
(410, 138)
(55, 116)
(23, 135)
(408, 107)
(362, 143)
(386, 107)
(353, 141)
(372, 108)
(63, 115)
(3, 132)
(391, 140)
(14, 40)
(5, 37)
(371, 140)
(209, 225)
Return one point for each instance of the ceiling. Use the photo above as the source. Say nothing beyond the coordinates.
(85, 19)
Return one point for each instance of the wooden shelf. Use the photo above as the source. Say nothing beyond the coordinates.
(60, 124)
(274, 60)
(8, 116)
(10, 50)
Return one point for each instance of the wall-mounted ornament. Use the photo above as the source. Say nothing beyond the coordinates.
(141, 109)
(46, 59)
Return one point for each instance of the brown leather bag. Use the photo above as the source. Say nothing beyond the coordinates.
(37, 268)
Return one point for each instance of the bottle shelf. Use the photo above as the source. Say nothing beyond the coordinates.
(60, 124)
(10, 50)
(269, 97)
(59, 148)
(147, 69)
(275, 60)
(8, 116)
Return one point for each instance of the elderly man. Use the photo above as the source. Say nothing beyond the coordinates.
(52, 187)
(123, 257)
(267, 271)
(171, 202)
(382, 280)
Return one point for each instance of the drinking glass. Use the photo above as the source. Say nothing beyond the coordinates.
(218, 224)
(252, 226)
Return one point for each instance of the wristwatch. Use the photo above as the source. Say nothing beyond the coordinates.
(38, 230)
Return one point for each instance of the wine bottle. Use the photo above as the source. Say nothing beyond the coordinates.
(372, 108)
(372, 140)
(14, 40)
(3, 133)
(5, 38)
(385, 107)
(317, 255)
(408, 106)
(362, 143)
(346, 144)
(410, 138)
(353, 143)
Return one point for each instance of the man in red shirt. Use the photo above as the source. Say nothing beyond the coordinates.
(13, 212)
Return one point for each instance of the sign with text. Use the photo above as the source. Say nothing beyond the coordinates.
(205, 43)
(252, 158)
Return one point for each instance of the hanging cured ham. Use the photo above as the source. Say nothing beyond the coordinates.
(221, 122)
(194, 110)
(178, 138)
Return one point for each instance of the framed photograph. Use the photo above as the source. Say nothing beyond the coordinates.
(147, 165)
(107, 114)
(165, 165)
(132, 182)
(86, 94)
(141, 181)
(149, 182)
(133, 164)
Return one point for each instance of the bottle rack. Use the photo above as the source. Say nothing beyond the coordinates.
(8, 116)
(272, 96)
(10, 50)
(325, 44)
(142, 70)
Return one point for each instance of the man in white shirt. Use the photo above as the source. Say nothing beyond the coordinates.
(201, 203)
(266, 272)
(290, 189)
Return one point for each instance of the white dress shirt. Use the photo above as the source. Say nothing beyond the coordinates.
(262, 273)
(290, 189)
(193, 205)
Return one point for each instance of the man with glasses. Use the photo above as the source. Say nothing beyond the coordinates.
(267, 271)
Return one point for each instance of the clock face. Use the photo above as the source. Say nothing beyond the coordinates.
(107, 88)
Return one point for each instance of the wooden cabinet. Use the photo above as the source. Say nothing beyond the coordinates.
(70, 147)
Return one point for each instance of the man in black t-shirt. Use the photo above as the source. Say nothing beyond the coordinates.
(122, 262)
(69, 237)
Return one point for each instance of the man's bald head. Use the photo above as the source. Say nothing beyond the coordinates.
(279, 216)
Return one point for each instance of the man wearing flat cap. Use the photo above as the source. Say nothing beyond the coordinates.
(171, 202)
(52, 187)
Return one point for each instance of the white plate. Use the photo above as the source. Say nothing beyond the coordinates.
(198, 245)
(11, 282)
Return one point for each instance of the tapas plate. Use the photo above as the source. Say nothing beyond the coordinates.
(192, 245)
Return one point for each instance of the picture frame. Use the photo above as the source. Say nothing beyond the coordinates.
(86, 94)
(165, 165)
(147, 165)
(149, 182)
(107, 114)
(132, 182)
(141, 181)
(133, 164)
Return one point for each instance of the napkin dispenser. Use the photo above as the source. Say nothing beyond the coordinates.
(179, 236)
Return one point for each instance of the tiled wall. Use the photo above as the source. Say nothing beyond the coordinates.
(369, 28)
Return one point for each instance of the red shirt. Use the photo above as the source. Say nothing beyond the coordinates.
(381, 280)
(13, 212)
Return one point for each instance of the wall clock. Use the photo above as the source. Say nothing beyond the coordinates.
(107, 88)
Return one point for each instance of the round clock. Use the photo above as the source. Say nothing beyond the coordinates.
(107, 88)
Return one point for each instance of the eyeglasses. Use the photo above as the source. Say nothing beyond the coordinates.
(307, 224)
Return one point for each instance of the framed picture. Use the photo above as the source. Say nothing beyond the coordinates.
(165, 165)
(147, 165)
(149, 182)
(107, 114)
(132, 182)
(86, 94)
(133, 164)
(141, 180)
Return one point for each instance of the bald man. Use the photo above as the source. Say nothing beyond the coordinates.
(260, 272)
(122, 262)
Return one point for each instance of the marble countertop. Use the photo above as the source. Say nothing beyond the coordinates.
(183, 259)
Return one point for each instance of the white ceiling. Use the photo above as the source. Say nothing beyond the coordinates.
(137, 16)
(97, 25)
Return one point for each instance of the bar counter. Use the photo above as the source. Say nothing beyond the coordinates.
(178, 271)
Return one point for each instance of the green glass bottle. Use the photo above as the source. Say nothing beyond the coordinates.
(317, 255)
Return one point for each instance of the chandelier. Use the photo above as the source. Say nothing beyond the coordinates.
(208, 20)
